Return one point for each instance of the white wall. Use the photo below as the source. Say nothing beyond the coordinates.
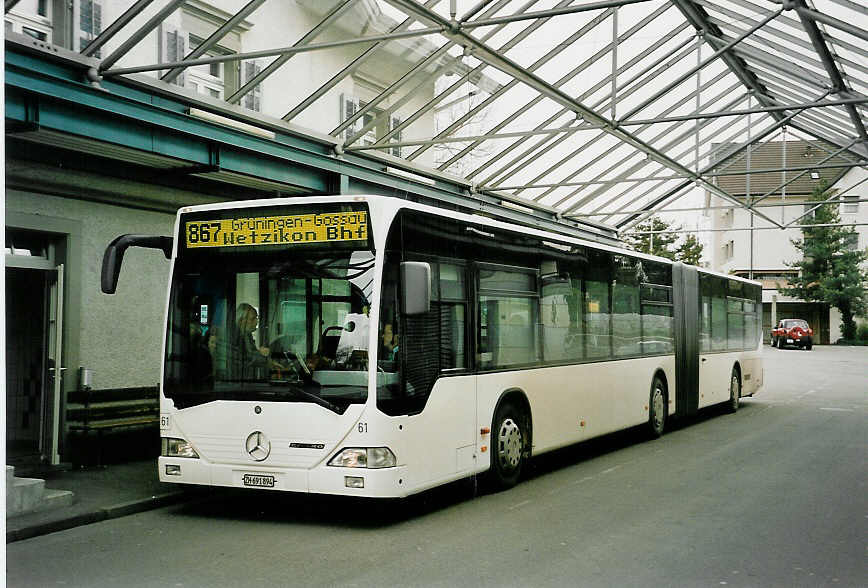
(772, 249)
(120, 336)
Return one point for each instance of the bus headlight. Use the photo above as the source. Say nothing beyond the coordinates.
(171, 447)
(364, 457)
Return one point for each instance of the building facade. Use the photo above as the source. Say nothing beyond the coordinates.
(765, 251)
(87, 162)
(106, 135)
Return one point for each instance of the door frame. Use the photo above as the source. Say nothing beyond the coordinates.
(67, 235)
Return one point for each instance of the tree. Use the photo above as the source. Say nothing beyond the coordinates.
(690, 251)
(829, 271)
(651, 236)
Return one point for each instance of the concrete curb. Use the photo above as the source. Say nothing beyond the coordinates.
(96, 516)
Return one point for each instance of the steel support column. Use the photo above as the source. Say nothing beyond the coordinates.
(284, 52)
(625, 89)
(536, 65)
(349, 69)
(487, 22)
(329, 19)
(110, 31)
(697, 17)
(806, 12)
(380, 117)
(140, 34)
(819, 43)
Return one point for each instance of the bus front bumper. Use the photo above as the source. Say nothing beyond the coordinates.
(374, 483)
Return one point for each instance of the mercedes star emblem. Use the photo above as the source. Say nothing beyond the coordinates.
(258, 446)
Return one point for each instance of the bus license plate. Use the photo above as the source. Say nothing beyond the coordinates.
(258, 480)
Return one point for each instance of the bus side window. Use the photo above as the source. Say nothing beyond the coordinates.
(451, 304)
(508, 311)
(718, 314)
(705, 289)
(626, 322)
(598, 319)
(560, 309)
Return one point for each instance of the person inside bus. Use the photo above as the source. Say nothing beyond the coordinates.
(201, 359)
(388, 345)
(247, 360)
(211, 340)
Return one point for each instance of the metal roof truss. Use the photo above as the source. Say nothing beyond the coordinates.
(671, 92)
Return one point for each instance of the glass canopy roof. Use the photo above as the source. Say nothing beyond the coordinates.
(602, 110)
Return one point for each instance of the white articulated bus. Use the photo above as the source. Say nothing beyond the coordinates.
(371, 346)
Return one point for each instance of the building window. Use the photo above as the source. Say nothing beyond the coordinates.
(89, 23)
(851, 241)
(851, 204)
(350, 105)
(31, 18)
(31, 8)
(172, 49)
(180, 37)
(207, 79)
(253, 99)
(729, 250)
(36, 34)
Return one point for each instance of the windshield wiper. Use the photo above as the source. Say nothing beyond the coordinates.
(299, 392)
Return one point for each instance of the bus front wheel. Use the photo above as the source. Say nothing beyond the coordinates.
(509, 441)
(657, 408)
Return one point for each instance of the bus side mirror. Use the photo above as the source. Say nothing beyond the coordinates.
(113, 257)
(416, 280)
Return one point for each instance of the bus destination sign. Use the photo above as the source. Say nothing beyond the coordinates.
(278, 230)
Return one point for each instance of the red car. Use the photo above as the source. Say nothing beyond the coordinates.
(795, 332)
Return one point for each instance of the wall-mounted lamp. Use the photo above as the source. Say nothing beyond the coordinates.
(815, 175)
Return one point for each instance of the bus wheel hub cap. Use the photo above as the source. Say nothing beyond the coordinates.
(509, 443)
(658, 407)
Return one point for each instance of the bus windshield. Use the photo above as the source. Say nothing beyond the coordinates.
(287, 327)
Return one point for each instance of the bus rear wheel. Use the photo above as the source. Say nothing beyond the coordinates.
(734, 391)
(509, 443)
(657, 408)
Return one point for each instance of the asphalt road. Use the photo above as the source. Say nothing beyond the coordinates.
(774, 495)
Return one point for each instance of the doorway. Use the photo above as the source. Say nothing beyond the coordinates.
(25, 363)
(34, 315)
